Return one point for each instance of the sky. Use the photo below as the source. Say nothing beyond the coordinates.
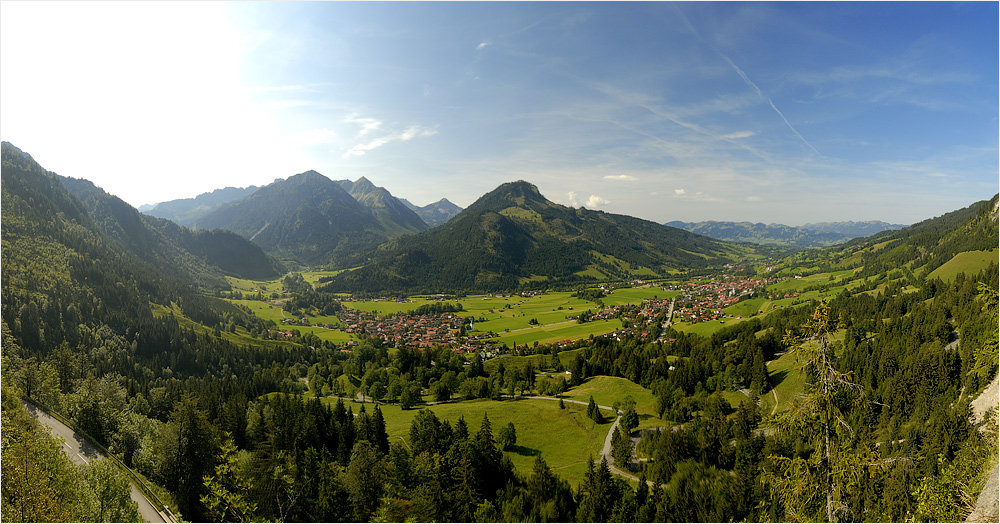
(764, 112)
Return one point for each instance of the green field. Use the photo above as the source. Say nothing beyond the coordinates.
(968, 262)
(620, 297)
(508, 317)
(565, 440)
(608, 390)
(787, 382)
(275, 313)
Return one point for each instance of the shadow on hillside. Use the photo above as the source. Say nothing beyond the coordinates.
(524, 451)
(777, 378)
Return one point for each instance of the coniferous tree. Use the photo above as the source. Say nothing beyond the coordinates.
(833, 468)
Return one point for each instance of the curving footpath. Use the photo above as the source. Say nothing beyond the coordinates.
(81, 451)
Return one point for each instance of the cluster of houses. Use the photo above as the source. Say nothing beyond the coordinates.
(704, 301)
(417, 332)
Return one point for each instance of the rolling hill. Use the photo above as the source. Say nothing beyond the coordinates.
(513, 237)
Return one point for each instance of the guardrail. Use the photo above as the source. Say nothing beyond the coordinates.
(148, 493)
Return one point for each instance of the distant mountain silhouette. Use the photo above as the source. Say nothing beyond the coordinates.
(185, 211)
(811, 235)
(853, 229)
(392, 213)
(436, 213)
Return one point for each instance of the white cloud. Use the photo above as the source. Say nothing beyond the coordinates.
(738, 134)
(572, 199)
(371, 124)
(621, 177)
(596, 201)
(416, 131)
(753, 198)
(679, 192)
(367, 124)
(482, 46)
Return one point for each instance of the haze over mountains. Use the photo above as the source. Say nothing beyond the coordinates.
(186, 210)
(819, 234)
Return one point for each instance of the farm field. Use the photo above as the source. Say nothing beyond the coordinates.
(620, 297)
(508, 317)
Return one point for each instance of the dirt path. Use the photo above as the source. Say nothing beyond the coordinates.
(988, 505)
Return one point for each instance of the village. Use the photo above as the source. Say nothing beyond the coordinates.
(699, 301)
(704, 301)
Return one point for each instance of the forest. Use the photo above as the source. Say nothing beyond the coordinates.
(231, 427)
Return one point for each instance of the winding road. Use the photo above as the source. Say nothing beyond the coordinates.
(82, 452)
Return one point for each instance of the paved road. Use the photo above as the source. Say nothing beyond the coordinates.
(81, 451)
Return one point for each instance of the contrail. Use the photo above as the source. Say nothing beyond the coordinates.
(769, 101)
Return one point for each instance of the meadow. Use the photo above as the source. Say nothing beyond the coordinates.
(565, 439)
(968, 262)
(787, 382)
(513, 319)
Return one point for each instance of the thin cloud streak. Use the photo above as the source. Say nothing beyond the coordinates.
(761, 94)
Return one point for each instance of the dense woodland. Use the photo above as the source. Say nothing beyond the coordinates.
(220, 422)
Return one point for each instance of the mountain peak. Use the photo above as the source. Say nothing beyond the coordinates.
(362, 186)
(511, 194)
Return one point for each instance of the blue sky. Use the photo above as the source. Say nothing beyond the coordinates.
(767, 112)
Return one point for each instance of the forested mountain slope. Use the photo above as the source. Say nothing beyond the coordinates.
(513, 236)
(89, 328)
(306, 218)
(198, 256)
(916, 250)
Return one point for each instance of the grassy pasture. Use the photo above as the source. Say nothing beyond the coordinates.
(538, 361)
(253, 286)
(241, 336)
(786, 380)
(269, 312)
(608, 390)
(620, 297)
(565, 438)
(968, 262)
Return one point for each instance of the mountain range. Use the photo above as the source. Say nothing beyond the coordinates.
(514, 237)
(820, 234)
(184, 211)
(435, 213)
